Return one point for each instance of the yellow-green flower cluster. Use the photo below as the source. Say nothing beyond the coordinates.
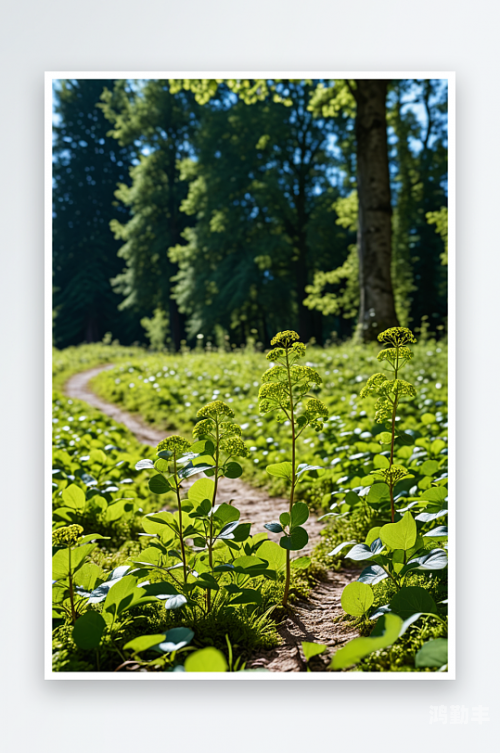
(396, 355)
(227, 428)
(67, 535)
(215, 409)
(392, 475)
(234, 447)
(203, 427)
(285, 339)
(397, 336)
(373, 384)
(295, 351)
(273, 395)
(383, 410)
(399, 386)
(314, 409)
(174, 444)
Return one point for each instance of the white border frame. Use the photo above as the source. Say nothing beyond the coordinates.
(50, 76)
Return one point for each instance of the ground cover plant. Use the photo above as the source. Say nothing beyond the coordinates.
(153, 574)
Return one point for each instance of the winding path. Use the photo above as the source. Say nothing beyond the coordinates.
(312, 619)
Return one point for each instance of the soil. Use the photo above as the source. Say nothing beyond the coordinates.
(311, 619)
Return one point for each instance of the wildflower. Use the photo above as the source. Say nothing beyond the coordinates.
(392, 475)
(314, 409)
(397, 336)
(67, 535)
(373, 384)
(234, 447)
(395, 354)
(285, 339)
(215, 409)
(203, 427)
(174, 444)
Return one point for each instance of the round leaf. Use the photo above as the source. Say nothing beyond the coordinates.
(296, 540)
(412, 599)
(233, 470)
(159, 484)
(400, 535)
(357, 598)
(206, 660)
(88, 630)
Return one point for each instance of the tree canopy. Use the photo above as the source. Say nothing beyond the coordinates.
(231, 209)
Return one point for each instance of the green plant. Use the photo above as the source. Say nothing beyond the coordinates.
(285, 386)
(390, 392)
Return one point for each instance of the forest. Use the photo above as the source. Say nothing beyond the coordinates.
(250, 367)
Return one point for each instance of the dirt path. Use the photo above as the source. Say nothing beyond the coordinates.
(311, 620)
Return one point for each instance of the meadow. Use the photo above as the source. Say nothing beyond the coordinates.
(153, 572)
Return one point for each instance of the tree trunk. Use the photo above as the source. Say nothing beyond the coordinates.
(377, 311)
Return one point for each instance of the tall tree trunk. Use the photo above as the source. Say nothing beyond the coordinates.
(377, 311)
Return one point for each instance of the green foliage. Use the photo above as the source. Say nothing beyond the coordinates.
(440, 220)
(404, 546)
(87, 166)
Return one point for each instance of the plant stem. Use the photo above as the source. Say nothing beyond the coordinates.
(292, 419)
(210, 543)
(181, 535)
(71, 594)
(393, 431)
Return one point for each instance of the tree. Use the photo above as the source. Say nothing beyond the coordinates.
(159, 126)
(262, 199)
(87, 168)
(377, 310)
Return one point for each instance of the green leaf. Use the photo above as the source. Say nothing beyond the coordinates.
(304, 468)
(400, 535)
(285, 519)
(281, 470)
(437, 446)
(312, 649)
(206, 660)
(91, 537)
(378, 493)
(159, 523)
(175, 602)
(202, 489)
(296, 540)
(159, 484)
(118, 509)
(436, 559)
(433, 653)
(357, 598)
(144, 642)
(241, 532)
(97, 456)
(358, 648)
(351, 498)
(247, 596)
(429, 468)
(123, 595)
(250, 565)
(373, 533)
(74, 497)
(435, 494)
(175, 639)
(161, 465)
(142, 464)
(428, 418)
(301, 563)
(226, 513)
(88, 630)
(385, 437)
(274, 527)
(87, 576)
(192, 470)
(300, 513)
(273, 554)
(412, 599)
(380, 461)
(60, 560)
(233, 470)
